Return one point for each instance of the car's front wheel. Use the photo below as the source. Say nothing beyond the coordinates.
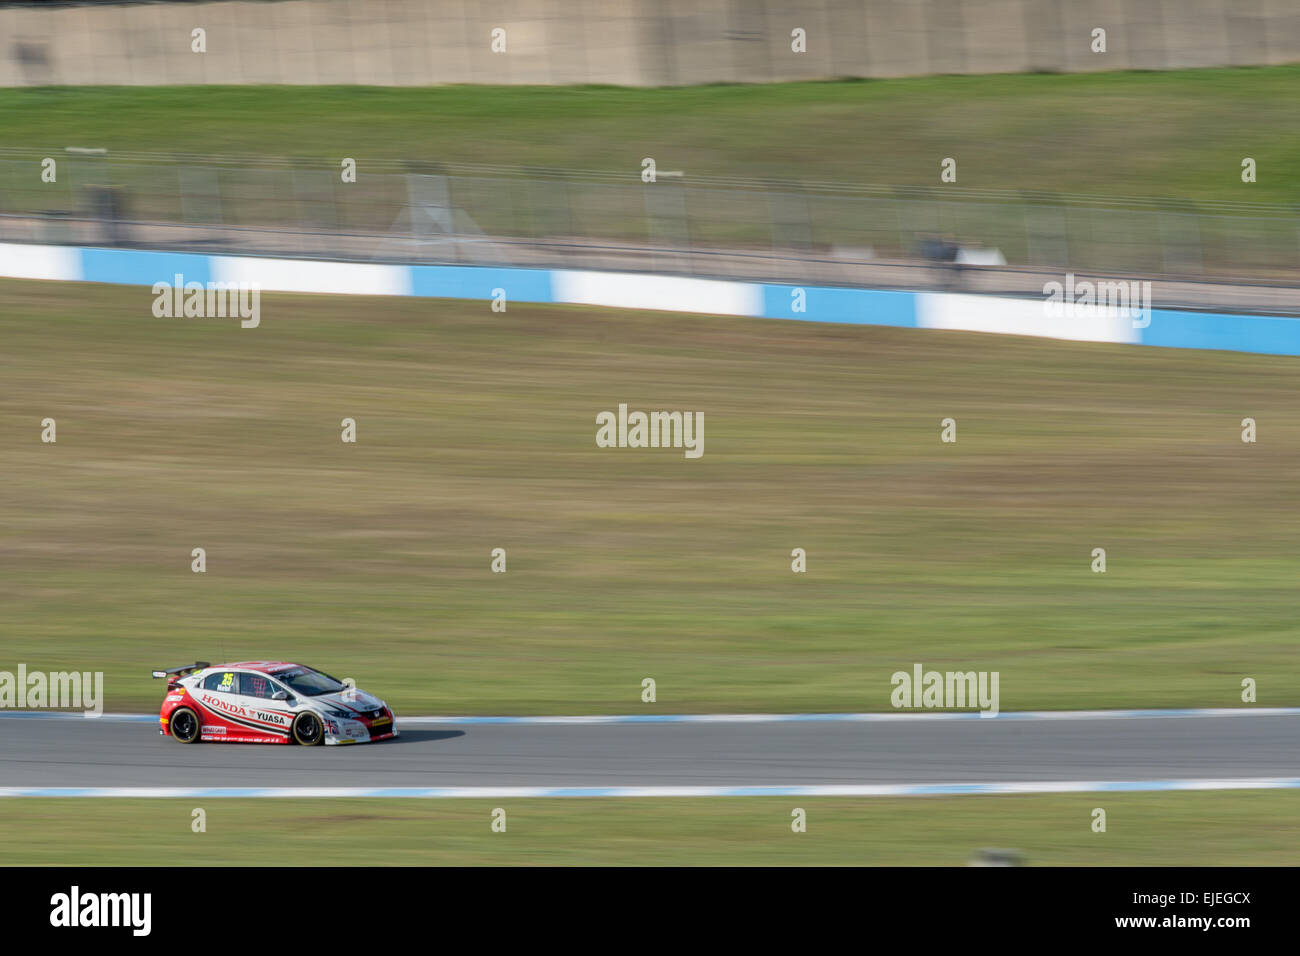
(307, 729)
(184, 725)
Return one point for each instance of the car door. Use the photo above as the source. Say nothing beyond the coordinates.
(223, 707)
(270, 717)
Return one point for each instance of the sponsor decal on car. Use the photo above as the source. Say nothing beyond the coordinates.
(213, 729)
(255, 719)
(234, 710)
(220, 704)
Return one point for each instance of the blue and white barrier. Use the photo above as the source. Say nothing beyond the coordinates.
(1169, 328)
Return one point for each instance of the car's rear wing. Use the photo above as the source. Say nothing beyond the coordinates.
(182, 670)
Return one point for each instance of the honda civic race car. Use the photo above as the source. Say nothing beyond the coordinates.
(260, 702)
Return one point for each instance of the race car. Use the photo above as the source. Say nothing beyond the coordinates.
(264, 702)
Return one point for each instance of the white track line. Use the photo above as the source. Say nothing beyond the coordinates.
(891, 716)
(817, 790)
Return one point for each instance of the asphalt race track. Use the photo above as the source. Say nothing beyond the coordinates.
(106, 752)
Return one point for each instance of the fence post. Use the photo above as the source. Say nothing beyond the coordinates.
(790, 214)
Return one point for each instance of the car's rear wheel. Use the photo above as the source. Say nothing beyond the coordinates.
(184, 724)
(307, 729)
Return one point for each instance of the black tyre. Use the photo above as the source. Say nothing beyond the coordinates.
(307, 729)
(184, 724)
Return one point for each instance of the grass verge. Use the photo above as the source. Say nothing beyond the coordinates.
(1085, 133)
(1167, 829)
(477, 431)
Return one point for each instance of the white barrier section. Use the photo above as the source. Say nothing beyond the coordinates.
(982, 313)
(623, 290)
(40, 262)
(301, 275)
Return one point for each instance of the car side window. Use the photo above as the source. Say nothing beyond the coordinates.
(223, 682)
(256, 685)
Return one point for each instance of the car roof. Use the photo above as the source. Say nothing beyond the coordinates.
(266, 667)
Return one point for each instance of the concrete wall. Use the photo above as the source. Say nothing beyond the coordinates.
(628, 42)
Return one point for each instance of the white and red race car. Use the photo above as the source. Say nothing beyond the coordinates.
(264, 702)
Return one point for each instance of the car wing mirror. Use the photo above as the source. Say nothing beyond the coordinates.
(280, 695)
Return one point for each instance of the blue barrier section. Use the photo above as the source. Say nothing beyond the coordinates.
(1266, 334)
(135, 267)
(1169, 328)
(473, 282)
(855, 306)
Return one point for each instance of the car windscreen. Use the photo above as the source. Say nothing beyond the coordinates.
(309, 683)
